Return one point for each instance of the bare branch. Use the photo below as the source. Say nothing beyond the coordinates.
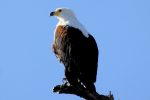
(81, 91)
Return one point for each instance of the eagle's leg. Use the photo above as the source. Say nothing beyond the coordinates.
(90, 86)
(71, 76)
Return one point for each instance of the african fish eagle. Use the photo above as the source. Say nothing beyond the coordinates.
(76, 49)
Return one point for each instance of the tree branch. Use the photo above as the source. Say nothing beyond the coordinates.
(81, 91)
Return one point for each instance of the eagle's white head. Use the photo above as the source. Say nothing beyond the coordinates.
(67, 17)
(63, 14)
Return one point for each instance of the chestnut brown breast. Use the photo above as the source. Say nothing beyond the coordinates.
(60, 33)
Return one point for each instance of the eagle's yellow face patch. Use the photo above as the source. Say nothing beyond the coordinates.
(57, 12)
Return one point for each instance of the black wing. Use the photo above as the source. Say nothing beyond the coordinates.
(81, 54)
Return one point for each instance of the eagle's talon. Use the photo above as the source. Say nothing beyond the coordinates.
(64, 80)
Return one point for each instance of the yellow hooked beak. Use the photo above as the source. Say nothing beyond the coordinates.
(55, 13)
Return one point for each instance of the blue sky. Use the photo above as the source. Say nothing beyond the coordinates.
(29, 70)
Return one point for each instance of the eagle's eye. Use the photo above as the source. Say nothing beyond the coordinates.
(59, 10)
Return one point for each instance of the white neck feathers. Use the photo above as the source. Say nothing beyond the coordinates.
(73, 21)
